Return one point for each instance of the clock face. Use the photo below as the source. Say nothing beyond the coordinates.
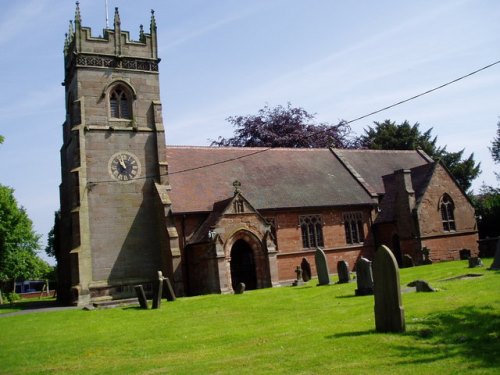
(124, 166)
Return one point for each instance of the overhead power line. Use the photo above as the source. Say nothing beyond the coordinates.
(321, 131)
(425, 92)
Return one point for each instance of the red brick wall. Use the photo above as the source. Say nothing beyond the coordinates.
(429, 212)
(289, 239)
(445, 245)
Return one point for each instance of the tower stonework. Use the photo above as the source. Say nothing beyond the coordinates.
(115, 232)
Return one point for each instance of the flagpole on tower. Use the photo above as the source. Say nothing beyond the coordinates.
(106, 6)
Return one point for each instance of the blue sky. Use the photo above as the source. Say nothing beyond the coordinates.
(338, 59)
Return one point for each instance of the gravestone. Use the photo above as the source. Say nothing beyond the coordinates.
(426, 256)
(298, 280)
(496, 260)
(464, 254)
(158, 291)
(170, 291)
(306, 270)
(240, 288)
(343, 272)
(389, 312)
(322, 267)
(364, 277)
(141, 296)
(475, 262)
(421, 286)
(407, 261)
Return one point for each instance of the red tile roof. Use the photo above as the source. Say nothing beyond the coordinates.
(270, 178)
(370, 165)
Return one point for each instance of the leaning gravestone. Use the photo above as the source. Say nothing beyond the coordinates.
(343, 271)
(475, 262)
(170, 291)
(421, 286)
(496, 260)
(322, 267)
(306, 270)
(364, 277)
(141, 296)
(389, 312)
(158, 291)
(407, 261)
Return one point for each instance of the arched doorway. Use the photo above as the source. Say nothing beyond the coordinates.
(396, 249)
(243, 265)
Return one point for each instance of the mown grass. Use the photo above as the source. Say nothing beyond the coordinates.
(288, 330)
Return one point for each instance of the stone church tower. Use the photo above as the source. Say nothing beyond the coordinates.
(114, 230)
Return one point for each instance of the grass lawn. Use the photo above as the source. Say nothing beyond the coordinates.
(288, 330)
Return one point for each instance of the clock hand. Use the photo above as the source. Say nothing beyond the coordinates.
(122, 162)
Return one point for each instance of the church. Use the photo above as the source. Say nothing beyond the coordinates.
(212, 217)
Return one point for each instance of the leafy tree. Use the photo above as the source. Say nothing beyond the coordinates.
(285, 127)
(1, 139)
(18, 241)
(52, 249)
(487, 205)
(391, 136)
(495, 146)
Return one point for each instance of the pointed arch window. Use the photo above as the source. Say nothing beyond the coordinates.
(447, 213)
(312, 231)
(120, 103)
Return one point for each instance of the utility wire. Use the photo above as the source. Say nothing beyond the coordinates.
(320, 131)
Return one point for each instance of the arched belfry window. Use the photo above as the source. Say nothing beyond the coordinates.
(120, 102)
(447, 213)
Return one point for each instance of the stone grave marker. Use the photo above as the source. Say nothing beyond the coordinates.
(464, 254)
(170, 291)
(407, 261)
(496, 260)
(421, 286)
(364, 277)
(389, 312)
(306, 270)
(141, 296)
(475, 262)
(240, 288)
(343, 272)
(298, 280)
(158, 291)
(322, 267)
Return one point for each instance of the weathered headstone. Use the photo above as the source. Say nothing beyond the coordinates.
(421, 286)
(322, 267)
(298, 280)
(475, 262)
(464, 254)
(170, 291)
(240, 288)
(496, 260)
(158, 291)
(141, 296)
(343, 272)
(306, 270)
(364, 277)
(389, 312)
(426, 256)
(407, 261)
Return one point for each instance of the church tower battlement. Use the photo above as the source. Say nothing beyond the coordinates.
(114, 191)
(114, 49)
